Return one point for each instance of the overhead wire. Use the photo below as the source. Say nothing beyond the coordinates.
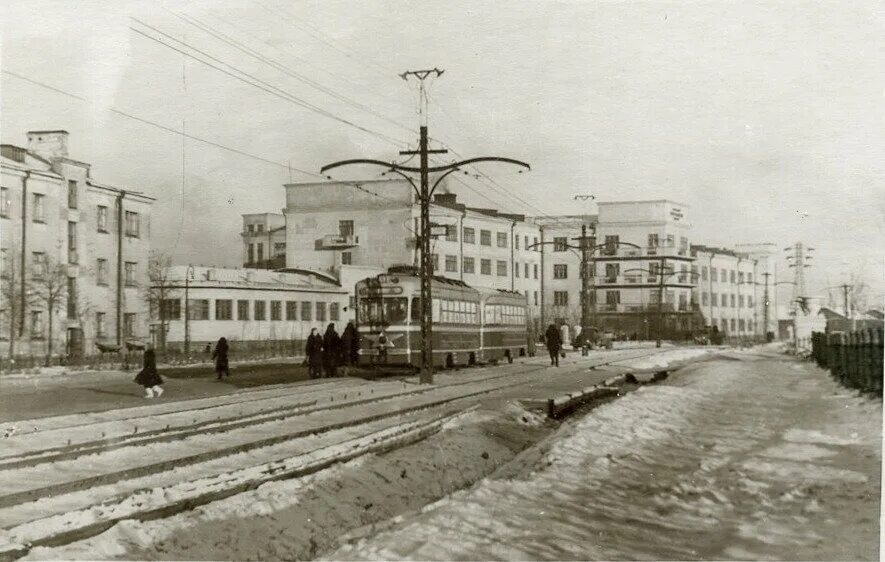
(253, 80)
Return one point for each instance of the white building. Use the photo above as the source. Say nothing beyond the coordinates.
(57, 221)
(264, 241)
(252, 308)
(350, 230)
(729, 295)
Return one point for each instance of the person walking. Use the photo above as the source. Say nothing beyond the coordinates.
(220, 356)
(350, 347)
(554, 344)
(314, 352)
(148, 377)
(331, 351)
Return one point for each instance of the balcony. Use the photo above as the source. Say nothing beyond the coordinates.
(337, 242)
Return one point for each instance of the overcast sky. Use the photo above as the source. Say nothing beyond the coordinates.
(766, 118)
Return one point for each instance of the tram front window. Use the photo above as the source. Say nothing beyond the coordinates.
(396, 310)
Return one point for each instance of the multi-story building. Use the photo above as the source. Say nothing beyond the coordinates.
(264, 241)
(639, 251)
(729, 290)
(73, 248)
(250, 307)
(352, 229)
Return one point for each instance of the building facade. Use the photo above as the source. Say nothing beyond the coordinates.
(252, 308)
(349, 228)
(72, 248)
(729, 290)
(264, 241)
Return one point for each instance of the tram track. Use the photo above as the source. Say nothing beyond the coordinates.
(76, 489)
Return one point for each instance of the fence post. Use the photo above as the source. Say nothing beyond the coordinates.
(876, 349)
(853, 371)
(866, 356)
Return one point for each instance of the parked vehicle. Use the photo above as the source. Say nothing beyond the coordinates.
(470, 324)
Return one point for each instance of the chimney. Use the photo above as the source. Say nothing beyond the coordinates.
(48, 144)
(448, 199)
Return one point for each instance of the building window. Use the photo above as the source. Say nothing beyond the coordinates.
(502, 239)
(434, 262)
(307, 310)
(683, 246)
(714, 275)
(613, 298)
(485, 266)
(740, 301)
(72, 298)
(260, 252)
(333, 312)
(260, 227)
(469, 235)
(560, 271)
(38, 212)
(612, 270)
(72, 242)
(740, 276)
(100, 324)
(502, 268)
(130, 273)
(653, 241)
(451, 233)
(485, 237)
(345, 228)
(560, 298)
(250, 254)
(749, 302)
(749, 277)
(346, 258)
(321, 311)
(38, 261)
(259, 310)
(132, 224)
(276, 310)
(198, 309)
(5, 203)
(279, 248)
(451, 264)
(723, 302)
(536, 298)
(291, 310)
(101, 271)
(102, 220)
(704, 298)
(536, 245)
(516, 242)
(704, 272)
(37, 324)
(732, 324)
(170, 309)
(129, 324)
(467, 265)
(224, 309)
(732, 276)
(250, 228)
(713, 299)
(733, 304)
(560, 244)
(242, 310)
(535, 270)
(526, 271)
(611, 245)
(72, 194)
(5, 262)
(526, 241)
(516, 269)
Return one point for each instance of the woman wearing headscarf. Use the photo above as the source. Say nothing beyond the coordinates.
(553, 341)
(148, 377)
(331, 351)
(220, 356)
(314, 352)
(350, 345)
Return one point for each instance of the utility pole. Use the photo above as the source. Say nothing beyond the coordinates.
(424, 193)
(765, 312)
(585, 281)
(798, 261)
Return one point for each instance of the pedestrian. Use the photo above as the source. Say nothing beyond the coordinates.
(148, 377)
(331, 351)
(314, 352)
(220, 356)
(554, 344)
(350, 346)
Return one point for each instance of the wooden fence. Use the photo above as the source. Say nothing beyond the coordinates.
(853, 358)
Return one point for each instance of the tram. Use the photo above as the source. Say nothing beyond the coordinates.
(470, 325)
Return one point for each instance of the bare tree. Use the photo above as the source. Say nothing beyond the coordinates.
(11, 297)
(159, 291)
(49, 287)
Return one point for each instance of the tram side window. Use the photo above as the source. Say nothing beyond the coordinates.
(416, 309)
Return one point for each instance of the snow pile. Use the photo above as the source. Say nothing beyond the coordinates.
(666, 359)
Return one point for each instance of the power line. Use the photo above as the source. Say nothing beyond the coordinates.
(286, 70)
(254, 81)
(163, 127)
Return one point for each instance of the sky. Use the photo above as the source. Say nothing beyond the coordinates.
(765, 118)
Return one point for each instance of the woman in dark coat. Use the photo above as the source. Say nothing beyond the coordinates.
(314, 352)
(554, 343)
(148, 377)
(220, 356)
(350, 345)
(331, 351)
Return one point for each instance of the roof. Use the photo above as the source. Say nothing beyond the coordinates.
(718, 251)
(47, 132)
(642, 201)
(233, 278)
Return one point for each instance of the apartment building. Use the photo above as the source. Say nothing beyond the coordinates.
(729, 290)
(74, 251)
(264, 241)
(352, 229)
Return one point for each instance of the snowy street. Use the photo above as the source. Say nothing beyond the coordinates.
(749, 457)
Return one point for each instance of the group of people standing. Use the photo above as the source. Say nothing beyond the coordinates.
(325, 353)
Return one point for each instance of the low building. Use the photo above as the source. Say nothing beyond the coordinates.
(67, 234)
(252, 308)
